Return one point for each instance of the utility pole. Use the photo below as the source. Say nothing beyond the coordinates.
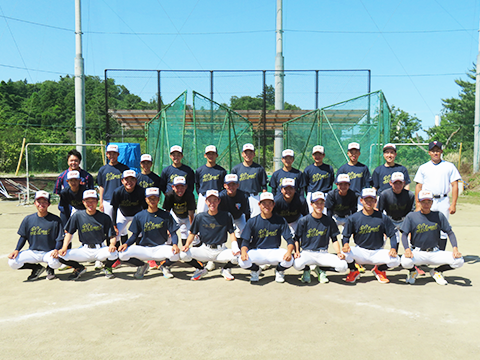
(476, 126)
(79, 87)
(279, 80)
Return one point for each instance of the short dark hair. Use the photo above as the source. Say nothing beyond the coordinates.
(76, 153)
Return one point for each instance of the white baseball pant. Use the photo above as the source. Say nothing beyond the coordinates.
(107, 208)
(146, 253)
(371, 257)
(442, 205)
(206, 253)
(201, 205)
(34, 257)
(320, 258)
(437, 257)
(239, 226)
(184, 224)
(122, 222)
(84, 253)
(264, 257)
(253, 202)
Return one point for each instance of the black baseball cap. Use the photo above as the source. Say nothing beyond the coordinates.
(435, 143)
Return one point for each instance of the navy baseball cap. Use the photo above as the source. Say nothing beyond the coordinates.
(435, 143)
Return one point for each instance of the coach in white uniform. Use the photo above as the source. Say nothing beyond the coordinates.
(437, 176)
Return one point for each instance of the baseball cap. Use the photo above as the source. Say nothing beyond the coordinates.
(288, 182)
(42, 194)
(343, 178)
(211, 193)
(113, 148)
(317, 195)
(152, 191)
(353, 145)
(87, 194)
(176, 148)
(266, 196)
(369, 192)
(129, 173)
(73, 175)
(231, 178)
(389, 147)
(425, 195)
(435, 143)
(397, 176)
(146, 157)
(248, 147)
(287, 152)
(211, 148)
(318, 148)
(179, 180)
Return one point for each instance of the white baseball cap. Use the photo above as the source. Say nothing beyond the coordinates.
(74, 174)
(211, 148)
(354, 145)
(231, 178)
(288, 182)
(211, 193)
(266, 196)
(87, 194)
(287, 152)
(152, 191)
(425, 195)
(113, 148)
(317, 195)
(343, 178)
(369, 192)
(318, 148)
(129, 173)
(397, 176)
(389, 147)
(176, 148)
(146, 157)
(248, 147)
(42, 194)
(180, 180)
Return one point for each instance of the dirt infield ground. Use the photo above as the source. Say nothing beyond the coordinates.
(96, 318)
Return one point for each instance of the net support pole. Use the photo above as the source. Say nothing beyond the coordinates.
(279, 89)
(476, 126)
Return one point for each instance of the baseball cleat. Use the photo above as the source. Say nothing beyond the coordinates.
(64, 267)
(322, 276)
(36, 273)
(412, 276)
(352, 276)
(255, 275)
(153, 264)
(360, 268)
(380, 275)
(279, 276)
(438, 277)
(306, 277)
(98, 265)
(50, 273)
(265, 267)
(77, 273)
(227, 274)
(116, 264)
(420, 270)
(141, 270)
(210, 266)
(166, 272)
(108, 273)
(199, 273)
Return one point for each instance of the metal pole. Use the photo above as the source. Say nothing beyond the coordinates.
(107, 118)
(27, 201)
(476, 126)
(159, 97)
(316, 89)
(264, 112)
(79, 86)
(211, 85)
(279, 86)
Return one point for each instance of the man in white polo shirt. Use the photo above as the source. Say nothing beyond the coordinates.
(438, 176)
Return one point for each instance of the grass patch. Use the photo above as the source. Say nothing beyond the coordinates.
(469, 197)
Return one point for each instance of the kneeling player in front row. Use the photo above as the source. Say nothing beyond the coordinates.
(154, 224)
(212, 228)
(368, 227)
(44, 233)
(262, 237)
(425, 226)
(312, 235)
(94, 227)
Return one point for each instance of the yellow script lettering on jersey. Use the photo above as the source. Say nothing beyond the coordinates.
(112, 176)
(423, 228)
(367, 229)
(246, 176)
(315, 232)
(149, 226)
(90, 227)
(37, 230)
(265, 233)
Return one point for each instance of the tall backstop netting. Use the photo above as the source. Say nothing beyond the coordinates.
(194, 128)
(365, 120)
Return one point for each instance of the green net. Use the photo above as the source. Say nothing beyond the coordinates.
(206, 123)
(365, 120)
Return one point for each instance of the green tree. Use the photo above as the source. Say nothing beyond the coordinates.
(256, 103)
(403, 126)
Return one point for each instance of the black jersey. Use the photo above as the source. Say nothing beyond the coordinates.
(397, 206)
(70, 199)
(382, 175)
(425, 228)
(42, 233)
(339, 205)
(314, 234)
(359, 176)
(209, 178)
(260, 233)
(92, 229)
(149, 180)
(128, 203)
(290, 211)
(236, 205)
(180, 205)
(213, 229)
(171, 172)
(153, 227)
(110, 177)
(252, 179)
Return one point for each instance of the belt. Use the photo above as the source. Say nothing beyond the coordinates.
(93, 246)
(440, 196)
(398, 219)
(427, 249)
(213, 246)
(319, 251)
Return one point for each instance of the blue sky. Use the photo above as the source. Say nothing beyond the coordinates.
(415, 49)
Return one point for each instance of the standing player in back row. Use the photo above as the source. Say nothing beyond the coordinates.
(357, 172)
(288, 156)
(208, 177)
(318, 176)
(382, 174)
(177, 169)
(252, 177)
(147, 178)
(438, 176)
